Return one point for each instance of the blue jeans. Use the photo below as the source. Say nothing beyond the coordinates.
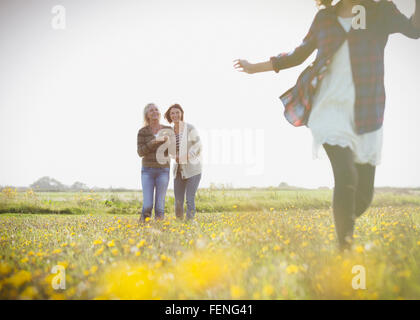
(189, 187)
(154, 179)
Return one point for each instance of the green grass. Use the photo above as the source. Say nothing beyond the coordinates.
(244, 244)
(207, 200)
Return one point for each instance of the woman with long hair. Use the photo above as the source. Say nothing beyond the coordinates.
(155, 164)
(341, 95)
(187, 169)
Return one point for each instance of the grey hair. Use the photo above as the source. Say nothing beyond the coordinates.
(145, 111)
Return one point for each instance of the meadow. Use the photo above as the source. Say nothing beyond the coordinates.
(243, 244)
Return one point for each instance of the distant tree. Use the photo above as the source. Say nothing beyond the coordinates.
(48, 184)
(323, 188)
(283, 185)
(77, 186)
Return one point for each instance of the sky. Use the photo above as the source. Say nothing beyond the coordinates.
(71, 100)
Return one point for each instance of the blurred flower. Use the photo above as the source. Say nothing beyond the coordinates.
(291, 269)
(19, 278)
(129, 282)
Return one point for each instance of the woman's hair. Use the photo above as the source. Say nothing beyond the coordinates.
(145, 111)
(168, 112)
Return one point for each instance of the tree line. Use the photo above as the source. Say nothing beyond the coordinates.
(48, 184)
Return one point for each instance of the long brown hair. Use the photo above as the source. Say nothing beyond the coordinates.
(167, 115)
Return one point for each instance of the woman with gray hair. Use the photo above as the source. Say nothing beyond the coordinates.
(151, 146)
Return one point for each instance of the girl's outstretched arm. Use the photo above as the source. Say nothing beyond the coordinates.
(245, 66)
(416, 18)
(284, 60)
(396, 22)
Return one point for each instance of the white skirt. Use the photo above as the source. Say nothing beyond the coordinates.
(332, 116)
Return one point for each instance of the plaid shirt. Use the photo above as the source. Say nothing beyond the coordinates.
(367, 61)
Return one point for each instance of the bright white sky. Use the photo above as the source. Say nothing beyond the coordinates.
(71, 100)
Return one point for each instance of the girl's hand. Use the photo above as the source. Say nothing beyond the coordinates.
(243, 66)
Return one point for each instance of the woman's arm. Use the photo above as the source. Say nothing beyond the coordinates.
(144, 147)
(172, 143)
(396, 22)
(245, 66)
(297, 56)
(416, 17)
(283, 60)
(194, 152)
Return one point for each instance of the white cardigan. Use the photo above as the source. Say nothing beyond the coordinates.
(190, 153)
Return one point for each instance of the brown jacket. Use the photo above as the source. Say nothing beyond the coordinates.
(147, 150)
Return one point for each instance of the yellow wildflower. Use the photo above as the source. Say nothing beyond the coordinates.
(236, 292)
(291, 269)
(19, 278)
(268, 290)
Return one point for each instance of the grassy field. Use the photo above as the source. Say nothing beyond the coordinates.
(244, 244)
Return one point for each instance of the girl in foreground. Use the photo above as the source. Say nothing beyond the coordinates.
(341, 96)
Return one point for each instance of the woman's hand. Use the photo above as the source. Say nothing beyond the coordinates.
(243, 66)
(161, 139)
(158, 140)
